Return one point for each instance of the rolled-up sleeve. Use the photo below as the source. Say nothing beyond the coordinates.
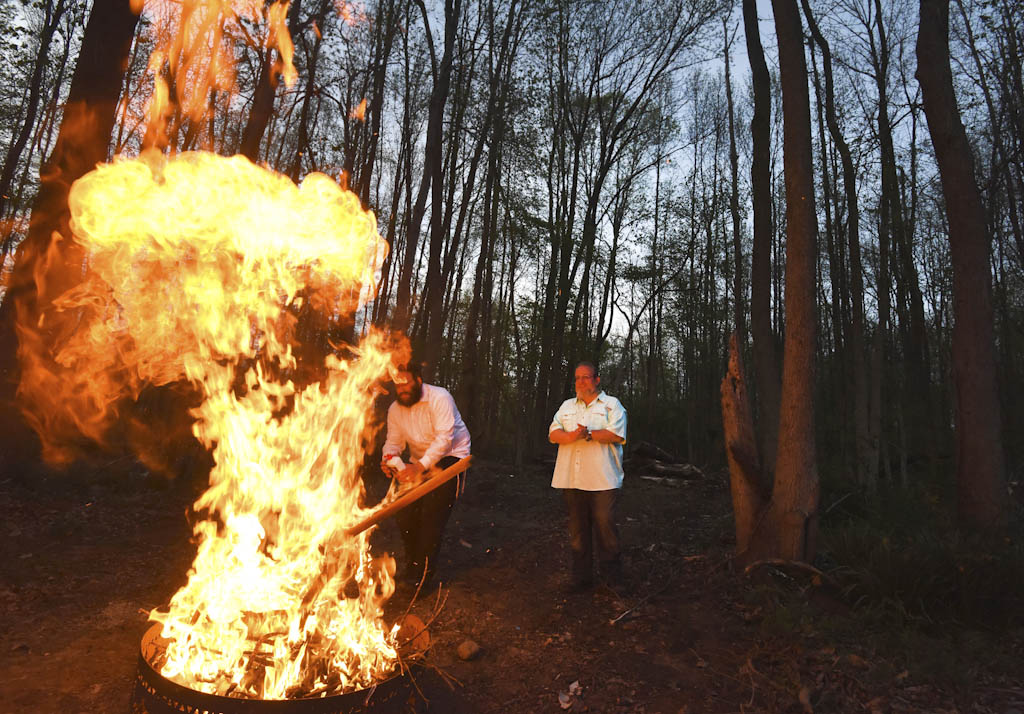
(443, 413)
(617, 419)
(394, 444)
(555, 424)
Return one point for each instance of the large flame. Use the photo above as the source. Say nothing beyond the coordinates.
(198, 263)
(200, 269)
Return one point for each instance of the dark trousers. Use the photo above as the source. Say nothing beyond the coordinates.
(422, 524)
(592, 518)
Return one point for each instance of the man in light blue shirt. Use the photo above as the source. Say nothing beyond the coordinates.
(590, 430)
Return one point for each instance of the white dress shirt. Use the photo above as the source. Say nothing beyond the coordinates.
(432, 428)
(589, 465)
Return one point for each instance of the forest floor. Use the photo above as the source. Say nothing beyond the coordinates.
(83, 561)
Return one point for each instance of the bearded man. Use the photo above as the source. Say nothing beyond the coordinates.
(424, 419)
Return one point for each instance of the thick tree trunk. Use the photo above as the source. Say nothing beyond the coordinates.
(261, 109)
(980, 464)
(46, 257)
(793, 515)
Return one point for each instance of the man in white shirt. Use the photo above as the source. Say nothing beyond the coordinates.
(424, 419)
(590, 430)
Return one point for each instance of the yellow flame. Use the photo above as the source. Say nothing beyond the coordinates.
(199, 263)
(202, 269)
(195, 44)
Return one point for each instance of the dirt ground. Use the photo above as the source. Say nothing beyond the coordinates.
(83, 560)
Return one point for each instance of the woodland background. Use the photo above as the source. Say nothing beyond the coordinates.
(568, 179)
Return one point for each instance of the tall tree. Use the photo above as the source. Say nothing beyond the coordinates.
(980, 464)
(766, 363)
(432, 168)
(51, 19)
(865, 449)
(787, 527)
(46, 263)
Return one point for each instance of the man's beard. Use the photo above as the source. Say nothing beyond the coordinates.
(407, 400)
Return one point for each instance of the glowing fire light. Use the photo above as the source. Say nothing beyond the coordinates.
(202, 257)
(198, 269)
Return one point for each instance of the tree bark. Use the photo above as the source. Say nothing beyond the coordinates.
(766, 363)
(749, 490)
(980, 462)
(46, 255)
(793, 516)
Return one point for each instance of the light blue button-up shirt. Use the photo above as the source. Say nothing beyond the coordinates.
(589, 465)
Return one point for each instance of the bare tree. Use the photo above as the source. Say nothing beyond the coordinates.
(787, 526)
(980, 464)
(81, 143)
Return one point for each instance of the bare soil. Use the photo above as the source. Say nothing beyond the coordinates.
(84, 558)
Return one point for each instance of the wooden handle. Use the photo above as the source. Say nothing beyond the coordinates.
(409, 496)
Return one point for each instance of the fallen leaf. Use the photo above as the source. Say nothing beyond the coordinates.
(805, 699)
(857, 661)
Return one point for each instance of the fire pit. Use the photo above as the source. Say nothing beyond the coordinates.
(155, 694)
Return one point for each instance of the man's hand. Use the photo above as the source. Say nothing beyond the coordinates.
(560, 436)
(411, 473)
(390, 465)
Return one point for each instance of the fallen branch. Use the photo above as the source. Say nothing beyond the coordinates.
(795, 565)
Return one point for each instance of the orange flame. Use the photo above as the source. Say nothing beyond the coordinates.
(197, 261)
(194, 55)
(359, 112)
(199, 269)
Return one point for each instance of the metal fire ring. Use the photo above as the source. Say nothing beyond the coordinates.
(155, 694)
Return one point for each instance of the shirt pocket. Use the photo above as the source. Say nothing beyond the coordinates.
(569, 419)
(597, 419)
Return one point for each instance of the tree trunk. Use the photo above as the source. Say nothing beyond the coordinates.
(980, 464)
(749, 490)
(261, 109)
(766, 361)
(432, 168)
(739, 306)
(35, 90)
(866, 467)
(81, 144)
(793, 515)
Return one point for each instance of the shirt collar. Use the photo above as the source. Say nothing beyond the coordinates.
(596, 399)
